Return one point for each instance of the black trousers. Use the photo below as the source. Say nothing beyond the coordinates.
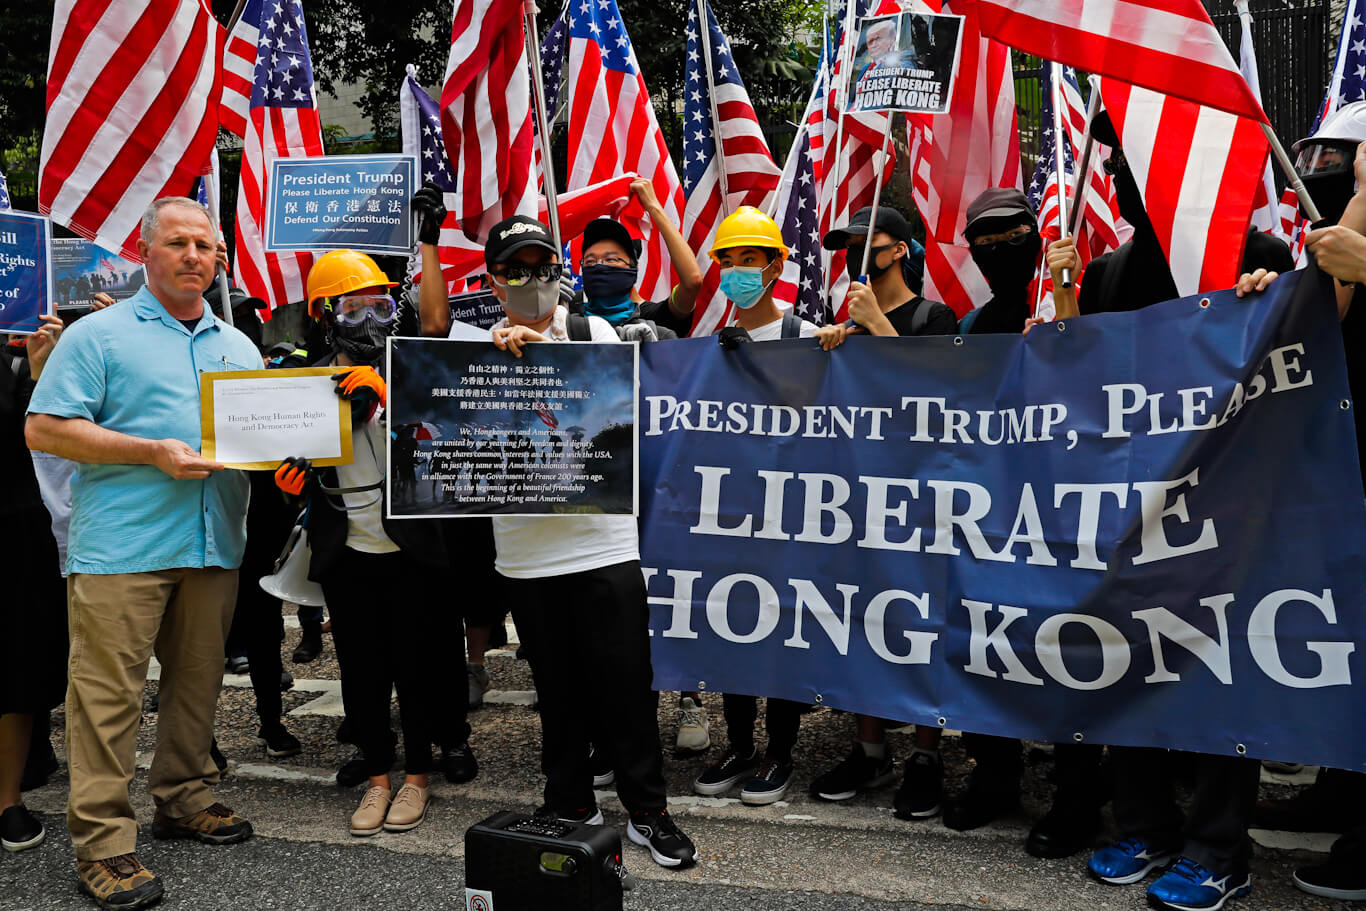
(1215, 832)
(1076, 768)
(587, 638)
(782, 717)
(393, 629)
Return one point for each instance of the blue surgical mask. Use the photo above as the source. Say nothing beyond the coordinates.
(743, 285)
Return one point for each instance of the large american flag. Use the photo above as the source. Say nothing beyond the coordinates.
(1166, 46)
(802, 283)
(1198, 169)
(957, 155)
(612, 125)
(486, 115)
(132, 104)
(750, 174)
(1348, 84)
(281, 122)
(553, 47)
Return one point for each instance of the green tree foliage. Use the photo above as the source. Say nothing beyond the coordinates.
(26, 28)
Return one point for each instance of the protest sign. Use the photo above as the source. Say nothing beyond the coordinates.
(25, 271)
(81, 269)
(476, 431)
(1137, 528)
(255, 419)
(906, 62)
(476, 308)
(353, 202)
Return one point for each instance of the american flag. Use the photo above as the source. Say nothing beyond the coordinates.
(132, 102)
(1166, 46)
(802, 283)
(461, 258)
(1263, 213)
(486, 115)
(553, 47)
(612, 125)
(1348, 84)
(750, 175)
(1198, 169)
(957, 155)
(282, 122)
(4, 192)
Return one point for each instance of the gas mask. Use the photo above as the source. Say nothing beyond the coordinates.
(359, 325)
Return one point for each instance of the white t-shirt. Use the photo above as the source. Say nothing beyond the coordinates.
(772, 332)
(364, 520)
(536, 547)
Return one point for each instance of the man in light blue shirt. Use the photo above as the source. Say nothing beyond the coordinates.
(157, 533)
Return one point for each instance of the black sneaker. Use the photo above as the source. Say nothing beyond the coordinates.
(1066, 829)
(20, 829)
(352, 771)
(310, 643)
(217, 756)
(981, 804)
(286, 681)
(458, 764)
(601, 765)
(655, 830)
(278, 742)
(769, 784)
(584, 816)
(922, 787)
(730, 771)
(237, 664)
(858, 772)
(1343, 875)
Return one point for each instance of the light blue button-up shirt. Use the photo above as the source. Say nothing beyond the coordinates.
(134, 368)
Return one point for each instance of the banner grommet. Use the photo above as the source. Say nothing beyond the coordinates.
(701, 685)
(1078, 737)
(1240, 749)
(1204, 303)
(1345, 404)
(943, 722)
(1062, 325)
(819, 699)
(958, 340)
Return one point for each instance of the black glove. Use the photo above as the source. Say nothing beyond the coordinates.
(732, 337)
(431, 211)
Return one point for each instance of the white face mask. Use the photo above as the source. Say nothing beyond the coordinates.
(533, 301)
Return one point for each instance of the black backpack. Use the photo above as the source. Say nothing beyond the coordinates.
(792, 326)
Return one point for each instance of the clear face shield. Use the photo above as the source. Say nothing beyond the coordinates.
(1320, 158)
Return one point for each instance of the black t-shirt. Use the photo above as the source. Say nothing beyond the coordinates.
(190, 324)
(664, 316)
(1001, 315)
(940, 320)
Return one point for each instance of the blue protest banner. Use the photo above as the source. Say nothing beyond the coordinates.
(1135, 528)
(355, 202)
(25, 271)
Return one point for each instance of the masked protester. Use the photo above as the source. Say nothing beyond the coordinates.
(577, 592)
(889, 303)
(1003, 240)
(609, 267)
(383, 581)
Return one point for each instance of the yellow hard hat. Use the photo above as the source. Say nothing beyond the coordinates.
(339, 272)
(748, 227)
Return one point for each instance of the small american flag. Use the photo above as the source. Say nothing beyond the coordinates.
(612, 125)
(4, 192)
(802, 283)
(750, 174)
(133, 89)
(282, 122)
(486, 115)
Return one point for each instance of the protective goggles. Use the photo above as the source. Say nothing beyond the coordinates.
(1316, 158)
(353, 309)
(516, 276)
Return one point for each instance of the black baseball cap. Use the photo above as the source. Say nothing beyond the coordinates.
(512, 234)
(889, 221)
(237, 298)
(610, 229)
(1003, 205)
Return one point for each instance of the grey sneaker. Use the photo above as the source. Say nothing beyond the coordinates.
(479, 684)
(694, 732)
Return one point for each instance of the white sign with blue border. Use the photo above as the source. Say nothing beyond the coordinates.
(352, 202)
(25, 271)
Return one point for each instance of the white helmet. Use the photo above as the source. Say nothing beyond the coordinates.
(1332, 148)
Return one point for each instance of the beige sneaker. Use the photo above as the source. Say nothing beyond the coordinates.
(408, 809)
(694, 733)
(119, 882)
(369, 816)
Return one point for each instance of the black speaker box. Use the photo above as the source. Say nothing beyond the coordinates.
(515, 862)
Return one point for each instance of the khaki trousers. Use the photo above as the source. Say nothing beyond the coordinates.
(117, 623)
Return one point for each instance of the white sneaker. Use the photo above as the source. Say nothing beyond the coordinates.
(694, 733)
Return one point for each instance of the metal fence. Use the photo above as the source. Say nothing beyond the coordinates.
(1294, 39)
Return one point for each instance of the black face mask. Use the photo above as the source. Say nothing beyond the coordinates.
(1331, 191)
(364, 344)
(603, 282)
(853, 261)
(1008, 265)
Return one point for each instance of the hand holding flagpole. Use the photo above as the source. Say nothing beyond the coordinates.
(1059, 159)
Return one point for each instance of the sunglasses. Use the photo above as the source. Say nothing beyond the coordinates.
(517, 276)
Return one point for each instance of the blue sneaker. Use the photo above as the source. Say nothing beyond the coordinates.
(1188, 886)
(1127, 861)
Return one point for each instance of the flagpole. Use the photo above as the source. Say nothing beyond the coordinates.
(842, 64)
(1059, 159)
(236, 14)
(704, 36)
(1288, 167)
(1084, 171)
(211, 191)
(533, 52)
(877, 198)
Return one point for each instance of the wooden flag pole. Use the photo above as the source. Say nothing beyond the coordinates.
(704, 36)
(533, 52)
(1059, 160)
